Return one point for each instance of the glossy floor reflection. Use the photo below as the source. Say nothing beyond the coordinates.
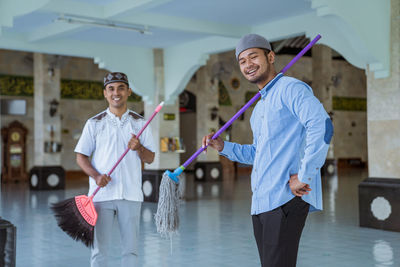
(215, 229)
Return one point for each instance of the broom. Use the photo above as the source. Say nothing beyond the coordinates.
(77, 216)
(166, 217)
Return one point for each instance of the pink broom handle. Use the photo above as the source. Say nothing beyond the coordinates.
(158, 108)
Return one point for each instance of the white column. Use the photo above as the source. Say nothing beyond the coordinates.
(383, 109)
(322, 74)
(322, 81)
(160, 126)
(46, 127)
(207, 98)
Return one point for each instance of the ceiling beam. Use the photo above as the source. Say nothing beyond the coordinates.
(188, 25)
(86, 10)
(9, 9)
(123, 7)
(56, 29)
(142, 19)
(77, 8)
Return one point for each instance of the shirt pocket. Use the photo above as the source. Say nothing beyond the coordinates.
(277, 120)
(105, 138)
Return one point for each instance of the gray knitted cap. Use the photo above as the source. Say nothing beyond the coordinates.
(251, 41)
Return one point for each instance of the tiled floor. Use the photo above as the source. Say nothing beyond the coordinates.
(215, 229)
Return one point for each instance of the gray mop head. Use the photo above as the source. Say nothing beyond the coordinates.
(167, 217)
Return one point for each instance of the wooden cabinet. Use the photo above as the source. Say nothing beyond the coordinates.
(14, 153)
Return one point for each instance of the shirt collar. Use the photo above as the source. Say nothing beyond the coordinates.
(269, 85)
(113, 116)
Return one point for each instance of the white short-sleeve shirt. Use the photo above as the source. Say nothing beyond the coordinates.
(105, 138)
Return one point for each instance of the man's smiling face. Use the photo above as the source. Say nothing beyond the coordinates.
(255, 65)
(117, 94)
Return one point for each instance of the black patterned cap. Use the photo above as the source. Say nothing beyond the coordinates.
(114, 77)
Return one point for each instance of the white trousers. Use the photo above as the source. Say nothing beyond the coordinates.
(127, 214)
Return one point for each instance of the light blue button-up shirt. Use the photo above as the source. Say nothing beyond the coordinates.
(291, 134)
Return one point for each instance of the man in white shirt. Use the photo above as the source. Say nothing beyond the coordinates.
(104, 139)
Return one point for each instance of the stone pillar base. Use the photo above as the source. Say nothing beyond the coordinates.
(47, 178)
(379, 203)
(208, 171)
(329, 168)
(151, 180)
(8, 242)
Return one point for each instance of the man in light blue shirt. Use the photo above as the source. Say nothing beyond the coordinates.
(291, 136)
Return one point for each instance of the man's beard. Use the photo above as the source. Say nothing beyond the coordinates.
(259, 79)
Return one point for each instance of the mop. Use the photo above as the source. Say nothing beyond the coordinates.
(77, 216)
(167, 217)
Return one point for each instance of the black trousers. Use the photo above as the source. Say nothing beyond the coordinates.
(278, 232)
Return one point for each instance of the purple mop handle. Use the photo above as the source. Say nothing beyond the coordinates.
(302, 52)
(251, 101)
(223, 128)
(159, 107)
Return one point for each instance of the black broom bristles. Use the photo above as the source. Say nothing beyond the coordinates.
(71, 221)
